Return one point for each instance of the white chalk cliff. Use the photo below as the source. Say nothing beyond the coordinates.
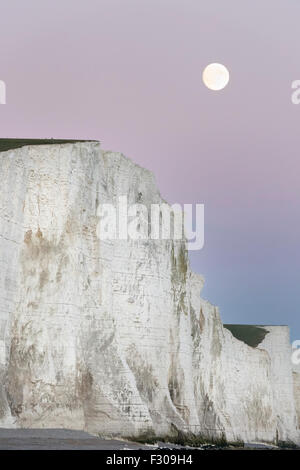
(113, 337)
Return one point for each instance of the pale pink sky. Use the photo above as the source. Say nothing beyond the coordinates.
(128, 72)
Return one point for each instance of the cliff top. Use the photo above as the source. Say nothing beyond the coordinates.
(249, 334)
(8, 144)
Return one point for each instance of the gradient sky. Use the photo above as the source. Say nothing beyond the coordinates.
(128, 72)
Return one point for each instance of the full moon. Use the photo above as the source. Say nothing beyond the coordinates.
(215, 76)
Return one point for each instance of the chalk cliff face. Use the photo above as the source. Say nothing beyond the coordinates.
(113, 337)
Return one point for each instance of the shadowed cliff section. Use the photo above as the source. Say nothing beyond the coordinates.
(8, 144)
(249, 334)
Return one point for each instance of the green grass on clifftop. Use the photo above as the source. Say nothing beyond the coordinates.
(249, 334)
(8, 144)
